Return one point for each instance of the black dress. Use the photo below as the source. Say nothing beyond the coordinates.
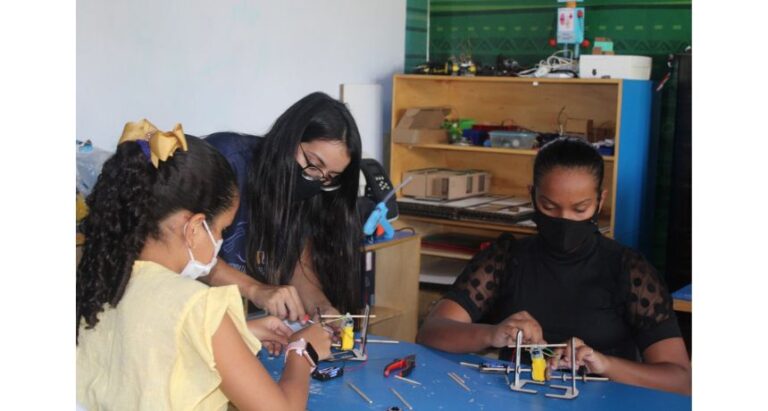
(604, 293)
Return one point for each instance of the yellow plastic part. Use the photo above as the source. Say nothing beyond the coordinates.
(538, 369)
(347, 338)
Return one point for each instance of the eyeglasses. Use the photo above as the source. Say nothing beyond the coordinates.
(313, 173)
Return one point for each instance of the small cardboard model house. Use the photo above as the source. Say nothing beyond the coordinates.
(439, 184)
(422, 126)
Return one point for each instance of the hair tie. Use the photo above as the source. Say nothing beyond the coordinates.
(144, 144)
(157, 145)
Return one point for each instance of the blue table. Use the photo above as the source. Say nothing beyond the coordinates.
(439, 392)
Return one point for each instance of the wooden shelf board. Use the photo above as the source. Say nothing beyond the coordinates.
(506, 79)
(433, 252)
(479, 149)
(472, 224)
(496, 227)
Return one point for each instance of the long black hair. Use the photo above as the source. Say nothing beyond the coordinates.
(327, 223)
(129, 200)
(569, 152)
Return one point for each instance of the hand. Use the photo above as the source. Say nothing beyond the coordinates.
(595, 362)
(272, 333)
(281, 301)
(326, 310)
(335, 326)
(318, 336)
(505, 333)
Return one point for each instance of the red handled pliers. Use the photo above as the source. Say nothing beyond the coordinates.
(405, 365)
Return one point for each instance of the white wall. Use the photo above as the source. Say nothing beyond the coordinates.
(221, 65)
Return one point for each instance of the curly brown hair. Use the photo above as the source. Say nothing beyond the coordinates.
(129, 200)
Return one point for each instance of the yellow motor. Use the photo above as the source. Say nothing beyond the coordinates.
(347, 334)
(538, 365)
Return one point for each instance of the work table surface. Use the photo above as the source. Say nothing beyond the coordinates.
(440, 392)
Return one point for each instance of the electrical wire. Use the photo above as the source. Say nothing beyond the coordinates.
(561, 60)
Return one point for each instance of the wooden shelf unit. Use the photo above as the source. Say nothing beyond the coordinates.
(397, 265)
(621, 106)
(532, 103)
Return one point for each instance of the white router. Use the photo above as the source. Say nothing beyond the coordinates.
(613, 66)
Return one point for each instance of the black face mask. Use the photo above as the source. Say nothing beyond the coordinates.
(561, 235)
(303, 188)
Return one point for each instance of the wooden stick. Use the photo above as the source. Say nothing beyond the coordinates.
(457, 377)
(408, 380)
(379, 341)
(342, 316)
(458, 382)
(357, 340)
(537, 345)
(585, 378)
(357, 390)
(397, 394)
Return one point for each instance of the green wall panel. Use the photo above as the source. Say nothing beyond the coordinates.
(416, 33)
(521, 29)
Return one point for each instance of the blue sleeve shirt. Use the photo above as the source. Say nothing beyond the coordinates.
(238, 150)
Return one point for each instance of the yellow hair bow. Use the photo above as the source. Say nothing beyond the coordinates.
(162, 144)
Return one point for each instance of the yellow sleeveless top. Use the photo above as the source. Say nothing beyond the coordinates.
(154, 350)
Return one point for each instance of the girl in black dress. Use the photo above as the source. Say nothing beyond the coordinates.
(567, 281)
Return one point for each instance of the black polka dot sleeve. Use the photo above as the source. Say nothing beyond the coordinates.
(649, 304)
(476, 288)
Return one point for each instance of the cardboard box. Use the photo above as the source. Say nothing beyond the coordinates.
(582, 127)
(444, 184)
(422, 126)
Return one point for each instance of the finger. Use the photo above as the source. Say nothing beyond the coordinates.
(583, 353)
(565, 358)
(282, 330)
(268, 347)
(523, 315)
(276, 349)
(511, 328)
(529, 332)
(534, 332)
(296, 305)
(554, 362)
(511, 340)
(280, 311)
(279, 339)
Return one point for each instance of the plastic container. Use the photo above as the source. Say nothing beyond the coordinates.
(477, 137)
(522, 140)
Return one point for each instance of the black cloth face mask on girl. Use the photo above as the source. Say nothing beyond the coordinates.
(561, 235)
(303, 188)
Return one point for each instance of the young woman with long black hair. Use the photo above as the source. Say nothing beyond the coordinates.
(567, 281)
(294, 247)
(148, 335)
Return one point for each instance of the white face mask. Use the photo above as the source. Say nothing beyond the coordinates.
(194, 268)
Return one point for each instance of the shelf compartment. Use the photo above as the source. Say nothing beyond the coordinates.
(440, 271)
(456, 255)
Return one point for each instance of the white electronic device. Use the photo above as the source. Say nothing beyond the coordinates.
(613, 66)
